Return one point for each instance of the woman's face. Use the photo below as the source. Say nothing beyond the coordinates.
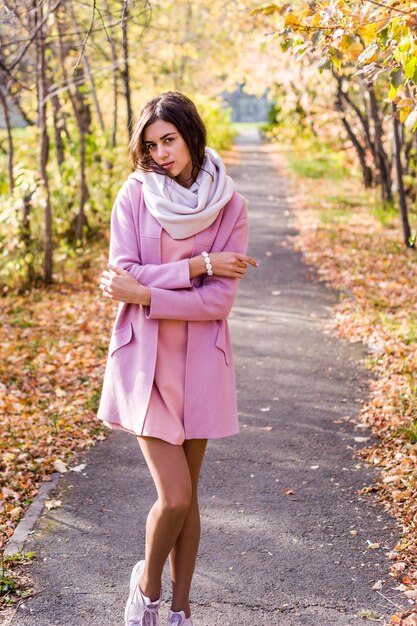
(169, 150)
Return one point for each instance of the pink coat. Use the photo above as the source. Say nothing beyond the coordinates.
(210, 392)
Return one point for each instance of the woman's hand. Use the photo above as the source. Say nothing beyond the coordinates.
(117, 284)
(230, 264)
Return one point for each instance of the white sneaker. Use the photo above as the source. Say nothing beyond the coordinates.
(140, 610)
(179, 619)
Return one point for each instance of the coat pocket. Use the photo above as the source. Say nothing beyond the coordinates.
(221, 343)
(120, 337)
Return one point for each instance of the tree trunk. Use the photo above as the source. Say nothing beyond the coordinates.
(364, 120)
(87, 70)
(83, 120)
(125, 70)
(25, 236)
(83, 117)
(400, 183)
(115, 80)
(3, 101)
(380, 154)
(59, 144)
(115, 105)
(81, 218)
(43, 139)
(360, 150)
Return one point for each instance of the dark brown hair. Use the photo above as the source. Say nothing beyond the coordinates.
(176, 108)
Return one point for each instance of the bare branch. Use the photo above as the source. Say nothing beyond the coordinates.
(10, 69)
(93, 15)
(386, 6)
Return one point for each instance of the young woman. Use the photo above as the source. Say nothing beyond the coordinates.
(177, 249)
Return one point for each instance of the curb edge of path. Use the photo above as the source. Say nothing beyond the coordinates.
(15, 544)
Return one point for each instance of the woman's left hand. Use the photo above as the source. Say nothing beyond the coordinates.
(117, 284)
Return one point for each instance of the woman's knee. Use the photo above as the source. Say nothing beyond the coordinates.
(177, 504)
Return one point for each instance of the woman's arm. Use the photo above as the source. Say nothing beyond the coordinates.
(227, 264)
(212, 300)
(125, 252)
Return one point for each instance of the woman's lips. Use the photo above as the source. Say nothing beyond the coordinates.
(166, 166)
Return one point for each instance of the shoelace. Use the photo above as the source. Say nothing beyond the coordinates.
(149, 616)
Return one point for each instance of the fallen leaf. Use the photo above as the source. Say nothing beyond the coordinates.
(78, 468)
(60, 466)
(16, 512)
(53, 504)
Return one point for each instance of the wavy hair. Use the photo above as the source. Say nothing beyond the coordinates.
(179, 110)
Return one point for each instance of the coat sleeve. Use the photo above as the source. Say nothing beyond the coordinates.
(125, 250)
(213, 300)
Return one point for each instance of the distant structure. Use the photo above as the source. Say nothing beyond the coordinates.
(16, 118)
(247, 107)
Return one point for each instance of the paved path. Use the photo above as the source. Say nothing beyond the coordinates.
(267, 557)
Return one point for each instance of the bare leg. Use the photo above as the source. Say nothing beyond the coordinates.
(169, 469)
(184, 553)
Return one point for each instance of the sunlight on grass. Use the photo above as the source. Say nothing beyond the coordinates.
(387, 215)
(316, 160)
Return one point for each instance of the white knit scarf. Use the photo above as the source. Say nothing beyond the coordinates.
(184, 212)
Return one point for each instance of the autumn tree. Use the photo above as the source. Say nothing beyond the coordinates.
(371, 49)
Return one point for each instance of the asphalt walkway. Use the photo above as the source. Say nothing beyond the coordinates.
(286, 533)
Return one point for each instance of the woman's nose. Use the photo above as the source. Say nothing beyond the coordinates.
(162, 151)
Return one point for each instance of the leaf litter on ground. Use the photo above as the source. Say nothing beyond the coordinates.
(53, 344)
(376, 275)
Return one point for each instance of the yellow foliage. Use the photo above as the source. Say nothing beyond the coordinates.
(354, 51)
(351, 47)
(403, 113)
(316, 20)
(292, 20)
(304, 11)
(368, 33)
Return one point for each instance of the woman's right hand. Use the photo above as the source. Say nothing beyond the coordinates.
(231, 264)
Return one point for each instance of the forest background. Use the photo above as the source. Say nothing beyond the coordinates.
(343, 78)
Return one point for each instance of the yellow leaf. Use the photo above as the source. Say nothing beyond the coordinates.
(316, 20)
(403, 114)
(353, 51)
(292, 20)
(367, 32)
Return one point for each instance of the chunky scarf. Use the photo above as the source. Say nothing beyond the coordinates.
(184, 212)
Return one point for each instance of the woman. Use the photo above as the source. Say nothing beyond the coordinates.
(177, 249)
